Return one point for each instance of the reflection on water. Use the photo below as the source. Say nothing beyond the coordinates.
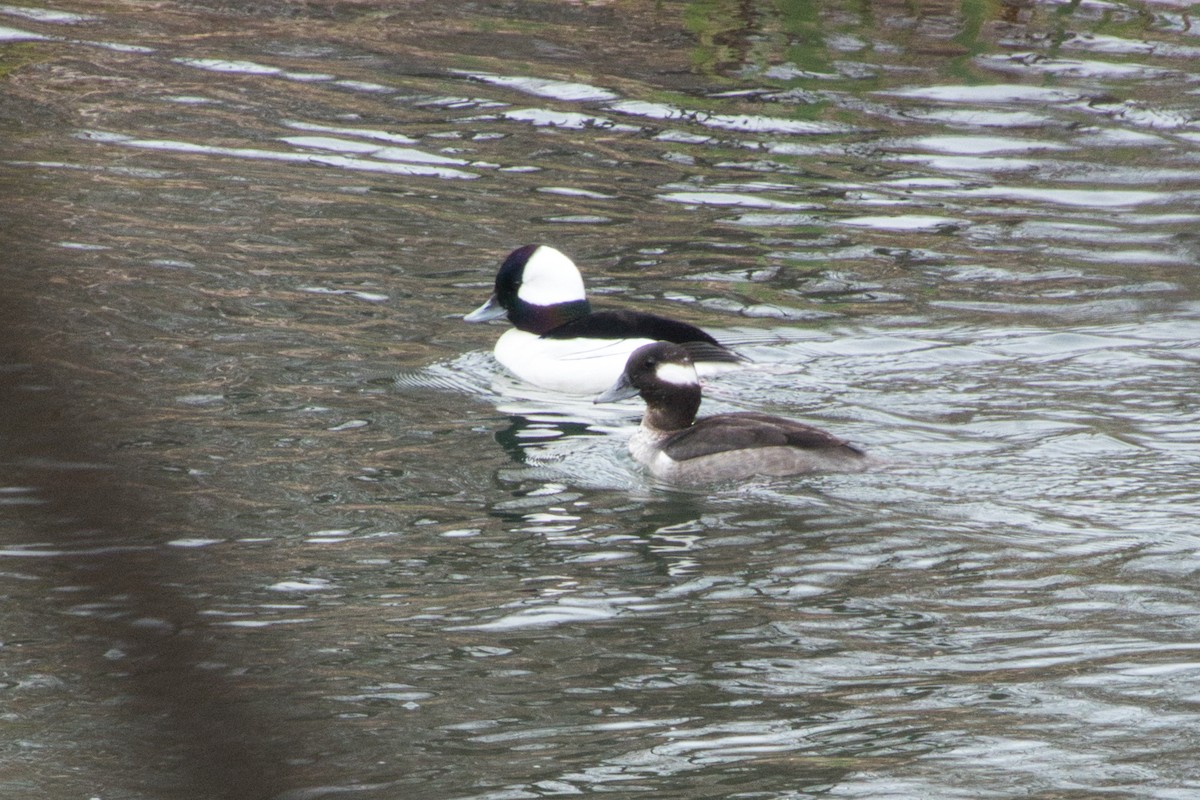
(264, 492)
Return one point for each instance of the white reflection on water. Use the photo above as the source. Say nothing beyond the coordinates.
(745, 123)
(370, 297)
(733, 199)
(345, 162)
(990, 94)
(986, 118)
(1084, 198)
(902, 222)
(543, 87)
(223, 65)
(8, 34)
(975, 145)
(564, 119)
(1116, 45)
(561, 611)
(1021, 63)
(46, 15)
(383, 152)
(361, 133)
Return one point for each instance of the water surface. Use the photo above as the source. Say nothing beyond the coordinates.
(275, 524)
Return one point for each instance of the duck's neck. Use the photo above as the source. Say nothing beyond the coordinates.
(671, 408)
(543, 319)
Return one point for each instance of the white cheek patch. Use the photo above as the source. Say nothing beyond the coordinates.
(550, 278)
(678, 374)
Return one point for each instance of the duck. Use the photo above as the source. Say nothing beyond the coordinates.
(678, 448)
(559, 343)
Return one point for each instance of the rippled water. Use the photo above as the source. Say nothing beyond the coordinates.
(276, 525)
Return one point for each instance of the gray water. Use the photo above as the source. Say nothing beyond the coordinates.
(275, 524)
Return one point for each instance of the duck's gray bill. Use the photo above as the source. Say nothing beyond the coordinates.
(487, 312)
(620, 390)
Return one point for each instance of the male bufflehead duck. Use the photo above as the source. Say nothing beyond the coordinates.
(559, 343)
(679, 448)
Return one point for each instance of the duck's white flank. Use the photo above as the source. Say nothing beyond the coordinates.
(573, 366)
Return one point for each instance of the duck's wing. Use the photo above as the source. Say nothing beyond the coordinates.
(626, 324)
(706, 353)
(746, 431)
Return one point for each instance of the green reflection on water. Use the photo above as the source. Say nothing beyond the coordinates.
(734, 35)
(800, 21)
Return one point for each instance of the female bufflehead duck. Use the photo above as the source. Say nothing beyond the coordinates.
(679, 448)
(559, 343)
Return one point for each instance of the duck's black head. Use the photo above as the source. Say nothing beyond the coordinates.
(537, 288)
(663, 374)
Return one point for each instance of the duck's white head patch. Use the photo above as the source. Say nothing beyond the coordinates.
(549, 278)
(677, 374)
